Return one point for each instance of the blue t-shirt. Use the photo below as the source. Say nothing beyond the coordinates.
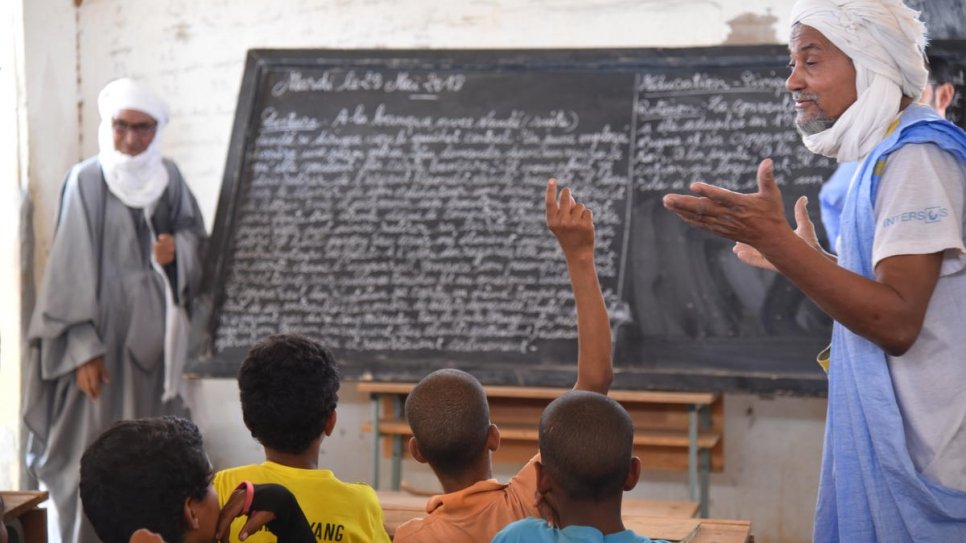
(534, 530)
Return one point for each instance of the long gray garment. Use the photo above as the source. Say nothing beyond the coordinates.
(101, 297)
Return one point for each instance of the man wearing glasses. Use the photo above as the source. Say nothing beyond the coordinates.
(108, 334)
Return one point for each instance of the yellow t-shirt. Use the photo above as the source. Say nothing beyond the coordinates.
(337, 511)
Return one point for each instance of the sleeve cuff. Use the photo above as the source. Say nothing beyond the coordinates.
(83, 344)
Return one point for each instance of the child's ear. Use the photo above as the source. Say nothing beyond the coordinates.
(190, 517)
(545, 498)
(634, 474)
(544, 482)
(330, 424)
(492, 438)
(415, 452)
(944, 95)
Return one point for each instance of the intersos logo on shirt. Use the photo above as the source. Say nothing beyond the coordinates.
(927, 215)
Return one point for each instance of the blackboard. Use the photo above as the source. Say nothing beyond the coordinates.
(389, 204)
(945, 19)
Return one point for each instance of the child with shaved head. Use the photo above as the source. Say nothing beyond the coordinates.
(586, 447)
(450, 417)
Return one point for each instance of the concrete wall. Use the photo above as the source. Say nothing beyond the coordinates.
(10, 111)
(193, 53)
(38, 142)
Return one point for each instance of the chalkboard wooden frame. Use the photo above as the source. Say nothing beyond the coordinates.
(207, 361)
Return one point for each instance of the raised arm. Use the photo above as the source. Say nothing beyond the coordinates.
(573, 226)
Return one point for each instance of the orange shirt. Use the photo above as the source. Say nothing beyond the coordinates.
(475, 513)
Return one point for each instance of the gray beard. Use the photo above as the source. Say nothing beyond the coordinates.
(814, 126)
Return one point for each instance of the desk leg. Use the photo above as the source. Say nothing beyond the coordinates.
(397, 443)
(693, 454)
(704, 470)
(375, 441)
(34, 524)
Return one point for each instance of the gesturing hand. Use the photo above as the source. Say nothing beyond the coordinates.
(756, 219)
(269, 505)
(804, 228)
(90, 375)
(233, 508)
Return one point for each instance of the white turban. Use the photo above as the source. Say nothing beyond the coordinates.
(886, 42)
(138, 181)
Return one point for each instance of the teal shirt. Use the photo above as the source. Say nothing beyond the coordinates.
(534, 530)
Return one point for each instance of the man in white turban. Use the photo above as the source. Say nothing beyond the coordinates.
(108, 333)
(894, 461)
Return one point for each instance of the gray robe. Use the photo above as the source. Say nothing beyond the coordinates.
(101, 297)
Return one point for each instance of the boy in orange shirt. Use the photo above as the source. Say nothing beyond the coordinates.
(450, 419)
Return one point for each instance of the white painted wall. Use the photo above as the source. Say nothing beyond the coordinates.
(11, 34)
(193, 53)
(38, 142)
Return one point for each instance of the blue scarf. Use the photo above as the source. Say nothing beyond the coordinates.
(869, 489)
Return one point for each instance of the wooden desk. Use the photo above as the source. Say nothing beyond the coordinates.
(692, 530)
(672, 430)
(654, 518)
(23, 515)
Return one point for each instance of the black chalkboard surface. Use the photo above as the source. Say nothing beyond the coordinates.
(945, 19)
(389, 204)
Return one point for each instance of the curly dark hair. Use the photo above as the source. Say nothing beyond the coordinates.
(289, 388)
(139, 473)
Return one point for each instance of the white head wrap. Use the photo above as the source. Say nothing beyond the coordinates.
(139, 180)
(886, 42)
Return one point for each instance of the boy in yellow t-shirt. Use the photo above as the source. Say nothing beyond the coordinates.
(289, 387)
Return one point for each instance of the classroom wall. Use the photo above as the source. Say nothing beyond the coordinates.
(38, 142)
(193, 54)
(11, 36)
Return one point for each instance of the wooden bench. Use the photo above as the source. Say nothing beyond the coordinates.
(672, 430)
(658, 519)
(395, 500)
(26, 522)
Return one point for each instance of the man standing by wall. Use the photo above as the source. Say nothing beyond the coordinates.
(895, 435)
(108, 334)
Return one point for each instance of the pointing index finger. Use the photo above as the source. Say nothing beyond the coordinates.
(551, 199)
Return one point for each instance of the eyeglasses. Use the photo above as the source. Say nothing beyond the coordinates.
(140, 129)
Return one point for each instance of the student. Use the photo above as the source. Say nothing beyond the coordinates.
(586, 463)
(288, 386)
(149, 479)
(449, 415)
